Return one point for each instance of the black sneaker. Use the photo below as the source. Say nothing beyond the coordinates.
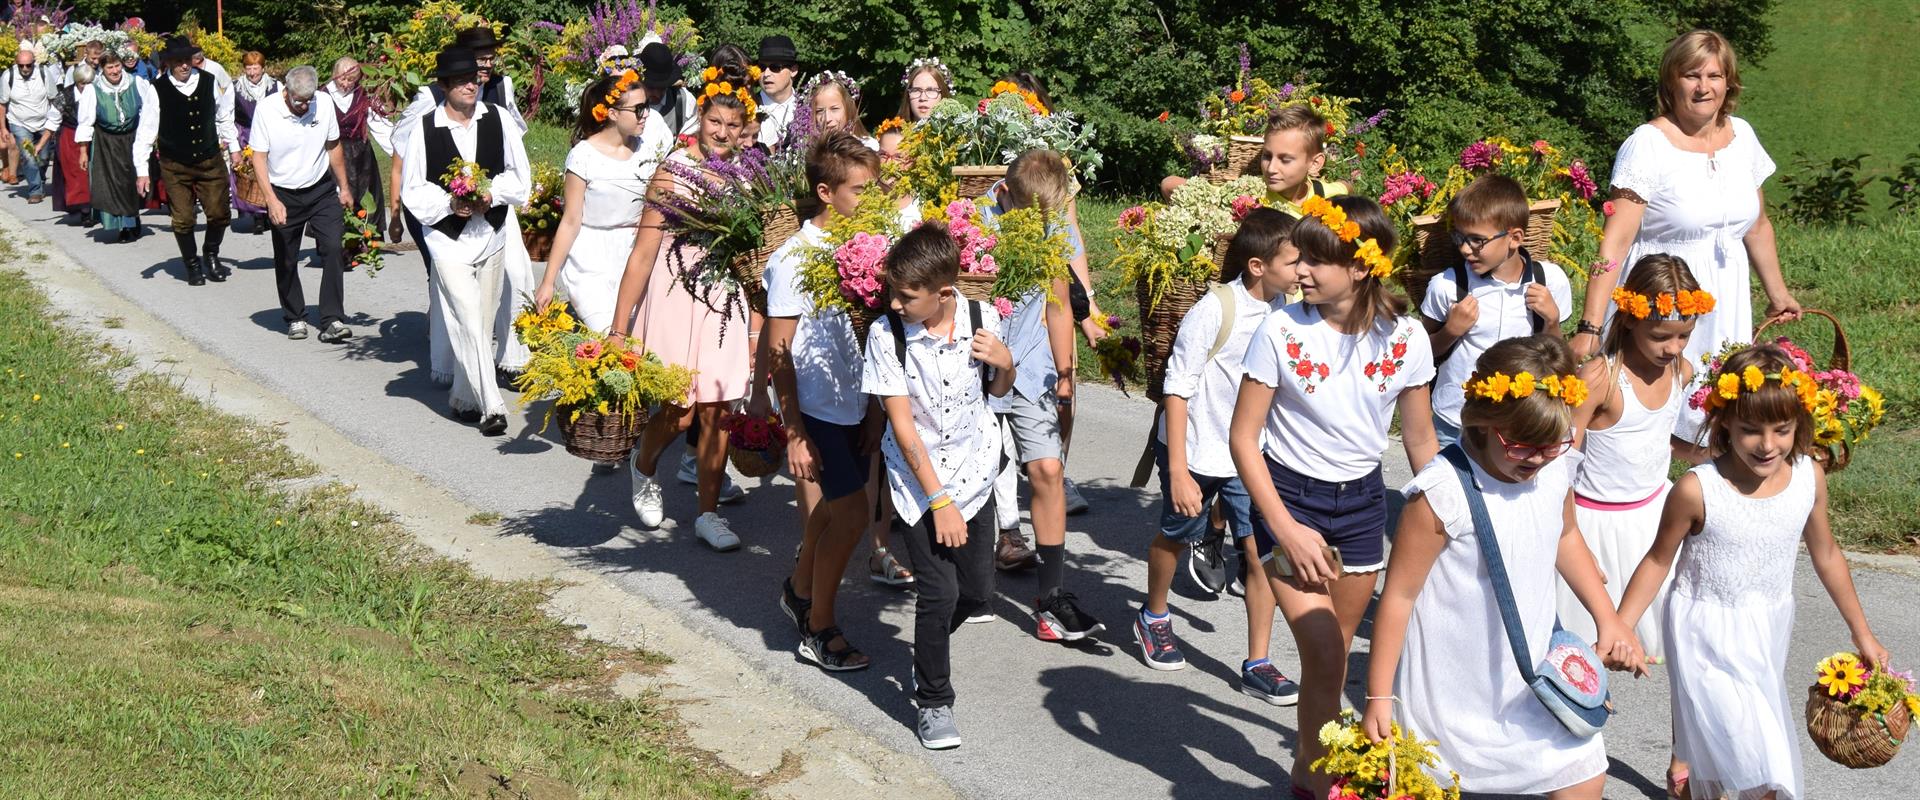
(1238, 588)
(1057, 618)
(1206, 561)
(1158, 647)
(1267, 683)
(795, 607)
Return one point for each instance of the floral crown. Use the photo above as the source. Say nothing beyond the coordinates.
(1009, 87)
(835, 76)
(1498, 387)
(946, 75)
(1671, 305)
(893, 124)
(602, 109)
(1728, 385)
(1379, 264)
(711, 74)
(716, 89)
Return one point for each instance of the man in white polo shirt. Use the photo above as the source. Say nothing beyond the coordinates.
(27, 93)
(297, 146)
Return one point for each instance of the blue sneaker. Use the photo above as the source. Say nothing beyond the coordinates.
(1157, 645)
(1267, 683)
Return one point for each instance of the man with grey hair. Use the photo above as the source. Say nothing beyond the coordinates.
(296, 145)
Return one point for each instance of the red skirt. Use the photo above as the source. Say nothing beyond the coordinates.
(70, 191)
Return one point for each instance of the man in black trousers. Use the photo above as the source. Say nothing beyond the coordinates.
(297, 147)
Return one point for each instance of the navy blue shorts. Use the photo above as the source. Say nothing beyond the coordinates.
(1228, 492)
(842, 467)
(1351, 515)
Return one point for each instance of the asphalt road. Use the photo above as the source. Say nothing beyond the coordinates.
(1040, 720)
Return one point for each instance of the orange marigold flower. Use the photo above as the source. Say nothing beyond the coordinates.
(1237, 96)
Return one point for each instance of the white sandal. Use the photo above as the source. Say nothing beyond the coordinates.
(884, 569)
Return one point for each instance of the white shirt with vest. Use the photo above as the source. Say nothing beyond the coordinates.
(429, 201)
(149, 130)
(295, 145)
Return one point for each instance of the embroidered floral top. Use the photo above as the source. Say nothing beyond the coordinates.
(1334, 393)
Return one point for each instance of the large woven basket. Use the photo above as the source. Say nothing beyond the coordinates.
(600, 437)
(749, 269)
(976, 180)
(862, 319)
(1434, 239)
(1160, 323)
(1851, 737)
(975, 287)
(757, 463)
(1836, 456)
(249, 189)
(1242, 151)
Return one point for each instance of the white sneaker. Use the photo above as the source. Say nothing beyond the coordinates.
(646, 498)
(689, 474)
(714, 530)
(1075, 503)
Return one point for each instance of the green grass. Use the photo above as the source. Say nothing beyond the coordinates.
(181, 624)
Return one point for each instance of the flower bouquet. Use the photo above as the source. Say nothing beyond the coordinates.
(846, 271)
(575, 59)
(1233, 122)
(1117, 355)
(467, 183)
(1845, 410)
(361, 244)
(1856, 714)
(756, 446)
(540, 217)
(602, 393)
(961, 149)
(737, 212)
(1391, 770)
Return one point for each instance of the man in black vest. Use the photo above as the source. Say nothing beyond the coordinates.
(194, 136)
(467, 236)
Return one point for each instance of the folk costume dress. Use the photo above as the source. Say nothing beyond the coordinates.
(109, 114)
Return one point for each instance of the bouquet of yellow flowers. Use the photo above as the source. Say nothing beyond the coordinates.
(1363, 769)
(845, 272)
(1857, 714)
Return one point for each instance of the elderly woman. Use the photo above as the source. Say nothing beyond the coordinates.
(1689, 184)
(70, 190)
(253, 86)
(108, 115)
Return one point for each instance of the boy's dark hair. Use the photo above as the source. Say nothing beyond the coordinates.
(925, 258)
(1261, 233)
(1490, 199)
(1300, 118)
(833, 157)
(1319, 244)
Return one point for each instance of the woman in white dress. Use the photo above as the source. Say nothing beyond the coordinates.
(1439, 643)
(607, 174)
(1689, 184)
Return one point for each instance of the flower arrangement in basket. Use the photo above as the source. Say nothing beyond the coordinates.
(399, 62)
(1363, 769)
(845, 272)
(361, 243)
(989, 134)
(540, 217)
(602, 393)
(1858, 714)
(1233, 122)
(1004, 256)
(737, 212)
(1845, 410)
(575, 59)
(756, 446)
(247, 186)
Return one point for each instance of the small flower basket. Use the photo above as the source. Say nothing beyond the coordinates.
(964, 148)
(603, 393)
(600, 437)
(777, 225)
(1233, 122)
(248, 187)
(1389, 770)
(738, 212)
(1858, 715)
(1845, 409)
(756, 446)
(1241, 153)
(845, 271)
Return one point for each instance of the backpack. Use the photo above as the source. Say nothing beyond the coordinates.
(1532, 273)
(1143, 468)
(899, 327)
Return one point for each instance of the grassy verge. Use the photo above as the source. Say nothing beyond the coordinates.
(183, 623)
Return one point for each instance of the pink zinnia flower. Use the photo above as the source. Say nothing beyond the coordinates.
(1540, 146)
(1132, 218)
(588, 350)
(1480, 155)
(1244, 205)
(1004, 306)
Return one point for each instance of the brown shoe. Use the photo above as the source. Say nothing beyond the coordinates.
(1013, 553)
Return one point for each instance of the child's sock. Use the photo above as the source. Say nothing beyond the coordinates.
(1053, 567)
(1150, 617)
(1247, 665)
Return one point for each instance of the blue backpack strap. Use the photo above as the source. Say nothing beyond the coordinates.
(1496, 567)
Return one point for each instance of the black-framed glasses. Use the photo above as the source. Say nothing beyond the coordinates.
(1475, 243)
(1522, 452)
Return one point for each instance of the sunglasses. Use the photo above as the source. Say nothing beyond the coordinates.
(1523, 452)
(777, 67)
(1475, 243)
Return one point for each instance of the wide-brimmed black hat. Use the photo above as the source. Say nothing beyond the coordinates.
(657, 67)
(455, 61)
(778, 49)
(178, 49)
(479, 37)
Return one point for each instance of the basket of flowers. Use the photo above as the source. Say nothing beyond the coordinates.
(1233, 122)
(247, 187)
(756, 446)
(845, 272)
(1858, 714)
(1394, 769)
(1004, 257)
(1845, 409)
(540, 217)
(738, 211)
(361, 244)
(602, 392)
(961, 150)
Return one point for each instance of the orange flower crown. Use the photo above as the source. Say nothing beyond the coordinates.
(723, 88)
(1379, 264)
(604, 108)
(1497, 388)
(711, 74)
(1671, 305)
(1727, 386)
(1009, 87)
(891, 125)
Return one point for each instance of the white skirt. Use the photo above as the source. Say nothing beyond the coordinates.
(1619, 540)
(1731, 722)
(591, 277)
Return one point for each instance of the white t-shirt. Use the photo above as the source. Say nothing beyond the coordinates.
(1334, 393)
(942, 381)
(1503, 315)
(826, 356)
(296, 147)
(1210, 386)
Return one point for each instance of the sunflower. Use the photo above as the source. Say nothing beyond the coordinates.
(1843, 675)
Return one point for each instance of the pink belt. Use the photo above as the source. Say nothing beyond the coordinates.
(1586, 502)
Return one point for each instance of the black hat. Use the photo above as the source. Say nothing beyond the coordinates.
(479, 37)
(455, 61)
(778, 49)
(657, 67)
(178, 49)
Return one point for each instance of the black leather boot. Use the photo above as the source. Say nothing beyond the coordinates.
(188, 258)
(216, 271)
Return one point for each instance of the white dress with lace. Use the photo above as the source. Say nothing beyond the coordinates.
(1729, 620)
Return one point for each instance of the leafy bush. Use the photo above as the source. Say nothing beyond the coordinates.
(1830, 194)
(1903, 187)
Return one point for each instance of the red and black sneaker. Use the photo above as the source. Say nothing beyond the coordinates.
(1057, 618)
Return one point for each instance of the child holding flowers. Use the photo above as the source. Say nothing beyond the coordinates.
(1735, 523)
(1323, 379)
(1440, 642)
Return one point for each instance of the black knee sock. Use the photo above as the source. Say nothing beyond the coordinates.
(1053, 567)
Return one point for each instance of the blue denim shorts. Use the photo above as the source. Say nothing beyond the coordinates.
(1186, 530)
(842, 467)
(1351, 515)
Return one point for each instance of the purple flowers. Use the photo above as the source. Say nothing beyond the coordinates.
(1480, 155)
(1367, 124)
(1246, 69)
(1582, 180)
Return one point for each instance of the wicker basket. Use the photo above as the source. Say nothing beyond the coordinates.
(1242, 151)
(600, 437)
(1160, 323)
(975, 287)
(862, 319)
(776, 227)
(539, 244)
(976, 180)
(249, 189)
(1836, 456)
(1851, 737)
(1434, 239)
(757, 463)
